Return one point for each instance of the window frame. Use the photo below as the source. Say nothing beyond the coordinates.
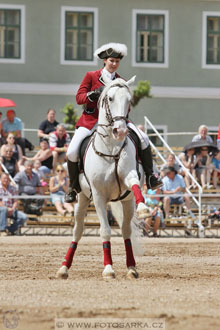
(165, 13)
(22, 8)
(65, 9)
(207, 14)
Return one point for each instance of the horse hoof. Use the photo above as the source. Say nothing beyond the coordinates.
(63, 273)
(132, 273)
(143, 211)
(108, 273)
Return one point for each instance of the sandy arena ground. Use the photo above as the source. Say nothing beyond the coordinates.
(179, 281)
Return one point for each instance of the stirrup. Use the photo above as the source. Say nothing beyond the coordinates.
(154, 182)
(71, 196)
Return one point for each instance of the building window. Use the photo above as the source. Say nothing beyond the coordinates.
(213, 40)
(150, 38)
(12, 33)
(79, 35)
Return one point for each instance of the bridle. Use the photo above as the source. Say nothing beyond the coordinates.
(111, 120)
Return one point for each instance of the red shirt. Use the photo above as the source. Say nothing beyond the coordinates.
(91, 81)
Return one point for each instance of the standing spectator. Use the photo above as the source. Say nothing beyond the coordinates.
(8, 208)
(188, 158)
(58, 187)
(202, 136)
(13, 124)
(44, 155)
(203, 167)
(17, 151)
(59, 142)
(48, 125)
(216, 169)
(29, 184)
(173, 184)
(9, 161)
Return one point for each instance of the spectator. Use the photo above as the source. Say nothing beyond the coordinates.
(44, 155)
(203, 167)
(188, 158)
(173, 184)
(8, 208)
(9, 161)
(17, 151)
(13, 124)
(59, 141)
(157, 213)
(48, 125)
(170, 162)
(202, 136)
(29, 184)
(58, 187)
(216, 169)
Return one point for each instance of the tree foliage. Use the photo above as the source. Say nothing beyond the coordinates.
(142, 90)
(71, 116)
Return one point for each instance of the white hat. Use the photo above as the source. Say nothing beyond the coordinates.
(112, 49)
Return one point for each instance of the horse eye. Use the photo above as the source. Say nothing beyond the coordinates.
(110, 99)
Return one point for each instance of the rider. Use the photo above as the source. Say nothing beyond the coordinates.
(88, 95)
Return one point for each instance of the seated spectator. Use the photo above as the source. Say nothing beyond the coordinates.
(170, 162)
(17, 151)
(8, 208)
(29, 184)
(203, 167)
(58, 187)
(202, 136)
(59, 142)
(44, 155)
(188, 158)
(173, 184)
(157, 213)
(13, 124)
(9, 161)
(48, 125)
(216, 169)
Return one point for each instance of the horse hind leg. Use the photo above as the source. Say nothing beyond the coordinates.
(77, 234)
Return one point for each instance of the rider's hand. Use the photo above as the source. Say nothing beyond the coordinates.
(94, 95)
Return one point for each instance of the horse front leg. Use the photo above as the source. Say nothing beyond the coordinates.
(128, 211)
(133, 182)
(81, 209)
(105, 233)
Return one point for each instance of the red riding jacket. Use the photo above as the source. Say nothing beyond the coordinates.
(91, 81)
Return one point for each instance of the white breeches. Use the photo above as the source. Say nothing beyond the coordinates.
(142, 136)
(80, 134)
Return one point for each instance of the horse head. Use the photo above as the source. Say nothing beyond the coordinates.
(114, 107)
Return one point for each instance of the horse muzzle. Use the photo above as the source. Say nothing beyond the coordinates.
(119, 133)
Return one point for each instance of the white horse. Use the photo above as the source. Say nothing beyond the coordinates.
(111, 174)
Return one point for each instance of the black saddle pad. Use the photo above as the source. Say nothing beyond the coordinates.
(135, 139)
(82, 150)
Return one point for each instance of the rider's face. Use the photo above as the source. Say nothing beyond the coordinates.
(112, 64)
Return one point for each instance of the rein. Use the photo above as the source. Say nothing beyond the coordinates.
(116, 158)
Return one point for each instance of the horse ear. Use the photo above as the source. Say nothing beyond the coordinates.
(131, 81)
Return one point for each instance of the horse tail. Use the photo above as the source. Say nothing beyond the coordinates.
(136, 233)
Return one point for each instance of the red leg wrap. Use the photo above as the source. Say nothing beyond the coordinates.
(107, 253)
(69, 256)
(129, 253)
(137, 194)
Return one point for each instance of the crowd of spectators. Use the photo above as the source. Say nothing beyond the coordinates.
(45, 171)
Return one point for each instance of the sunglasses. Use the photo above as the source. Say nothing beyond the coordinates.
(60, 171)
(204, 149)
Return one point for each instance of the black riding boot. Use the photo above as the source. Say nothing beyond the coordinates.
(74, 187)
(151, 180)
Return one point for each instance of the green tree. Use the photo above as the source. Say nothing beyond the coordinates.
(71, 116)
(142, 90)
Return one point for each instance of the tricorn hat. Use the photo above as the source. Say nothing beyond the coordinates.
(112, 49)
